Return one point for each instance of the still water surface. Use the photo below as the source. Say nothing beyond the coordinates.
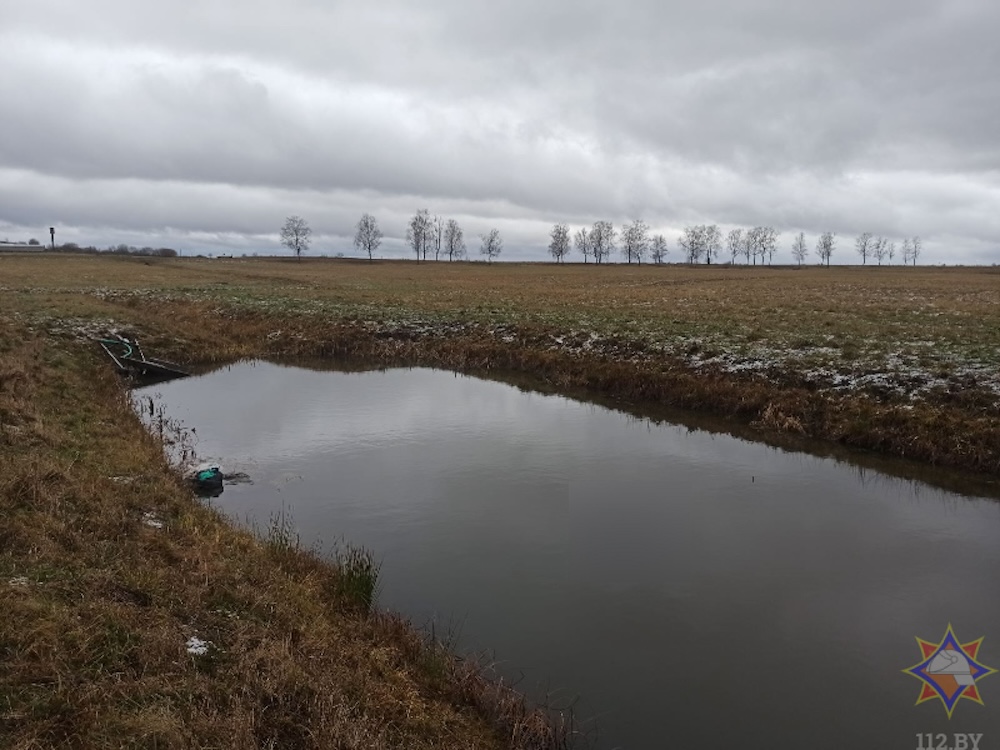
(694, 590)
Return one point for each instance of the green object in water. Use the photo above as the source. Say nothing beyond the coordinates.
(208, 475)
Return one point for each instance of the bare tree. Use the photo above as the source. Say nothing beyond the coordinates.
(295, 235)
(907, 250)
(602, 240)
(864, 245)
(825, 246)
(752, 244)
(635, 240)
(769, 243)
(891, 251)
(734, 243)
(693, 243)
(492, 244)
(915, 247)
(659, 249)
(582, 242)
(762, 243)
(418, 233)
(755, 243)
(713, 242)
(454, 240)
(367, 236)
(559, 246)
(437, 236)
(799, 248)
(879, 249)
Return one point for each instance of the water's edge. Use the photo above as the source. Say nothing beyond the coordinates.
(961, 482)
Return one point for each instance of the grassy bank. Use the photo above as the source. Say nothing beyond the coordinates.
(134, 616)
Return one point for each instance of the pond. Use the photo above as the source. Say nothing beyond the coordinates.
(692, 589)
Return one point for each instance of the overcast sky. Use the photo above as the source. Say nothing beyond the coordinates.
(202, 124)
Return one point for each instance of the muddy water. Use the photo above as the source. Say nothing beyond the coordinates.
(694, 590)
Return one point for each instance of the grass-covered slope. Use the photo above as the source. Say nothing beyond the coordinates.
(131, 615)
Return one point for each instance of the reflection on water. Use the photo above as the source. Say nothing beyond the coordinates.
(695, 590)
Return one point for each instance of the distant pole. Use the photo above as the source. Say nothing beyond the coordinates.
(52, 234)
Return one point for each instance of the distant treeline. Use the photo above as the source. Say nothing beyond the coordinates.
(123, 249)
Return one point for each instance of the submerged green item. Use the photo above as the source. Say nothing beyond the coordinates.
(208, 481)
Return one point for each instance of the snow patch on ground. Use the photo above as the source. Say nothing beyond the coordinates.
(905, 369)
(910, 370)
(197, 646)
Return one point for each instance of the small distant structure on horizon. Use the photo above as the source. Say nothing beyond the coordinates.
(20, 247)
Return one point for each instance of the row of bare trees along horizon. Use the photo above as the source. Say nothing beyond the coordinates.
(701, 243)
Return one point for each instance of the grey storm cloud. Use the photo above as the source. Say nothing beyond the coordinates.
(209, 122)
